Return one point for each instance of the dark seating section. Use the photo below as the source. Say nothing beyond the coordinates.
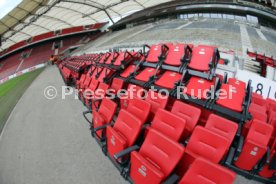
(264, 61)
(155, 138)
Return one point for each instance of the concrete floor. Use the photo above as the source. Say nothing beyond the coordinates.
(48, 141)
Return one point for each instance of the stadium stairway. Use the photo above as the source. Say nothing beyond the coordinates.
(45, 142)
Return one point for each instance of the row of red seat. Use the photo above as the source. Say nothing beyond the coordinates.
(161, 136)
(172, 65)
(214, 140)
(161, 120)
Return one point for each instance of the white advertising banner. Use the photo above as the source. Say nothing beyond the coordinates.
(261, 85)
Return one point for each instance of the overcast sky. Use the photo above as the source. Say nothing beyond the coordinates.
(7, 5)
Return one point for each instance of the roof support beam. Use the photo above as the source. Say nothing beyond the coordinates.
(88, 4)
(84, 3)
(109, 16)
(139, 4)
(4, 39)
(54, 18)
(107, 7)
(73, 10)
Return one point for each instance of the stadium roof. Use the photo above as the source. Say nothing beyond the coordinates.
(34, 17)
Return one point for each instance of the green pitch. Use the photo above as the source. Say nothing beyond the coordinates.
(11, 91)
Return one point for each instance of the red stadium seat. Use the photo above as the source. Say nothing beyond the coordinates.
(222, 126)
(201, 58)
(168, 124)
(139, 108)
(130, 69)
(156, 159)
(255, 145)
(268, 172)
(124, 132)
(175, 54)
(146, 74)
(157, 101)
(133, 91)
(104, 115)
(82, 79)
(258, 115)
(203, 143)
(258, 99)
(198, 87)
(123, 57)
(111, 58)
(168, 79)
(99, 94)
(117, 84)
(190, 113)
(154, 52)
(256, 107)
(205, 172)
(104, 57)
(237, 83)
(231, 97)
(87, 93)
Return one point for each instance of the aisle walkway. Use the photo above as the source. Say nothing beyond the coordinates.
(48, 141)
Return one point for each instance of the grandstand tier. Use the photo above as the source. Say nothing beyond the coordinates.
(172, 138)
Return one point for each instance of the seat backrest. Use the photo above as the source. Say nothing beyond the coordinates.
(258, 99)
(190, 113)
(110, 58)
(93, 84)
(100, 92)
(104, 57)
(87, 81)
(139, 108)
(270, 102)
(202, 55)
(204, 171)
(237, 83)
(82, 78)
(117, 84)
(273, 122)
(128, 125)
(222, 126)
(120, 58)
(260, 132)
(156, 100)
(258, 115)
(154, 52)
(208, 144)
(162, 151)
(107, 109)
(137, 91)
(175, 54)
(93, 73)
(255, 145)
(169, 124)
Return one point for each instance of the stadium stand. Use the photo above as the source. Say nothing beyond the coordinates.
(193, 134)
(41, 47)
(216, 141)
